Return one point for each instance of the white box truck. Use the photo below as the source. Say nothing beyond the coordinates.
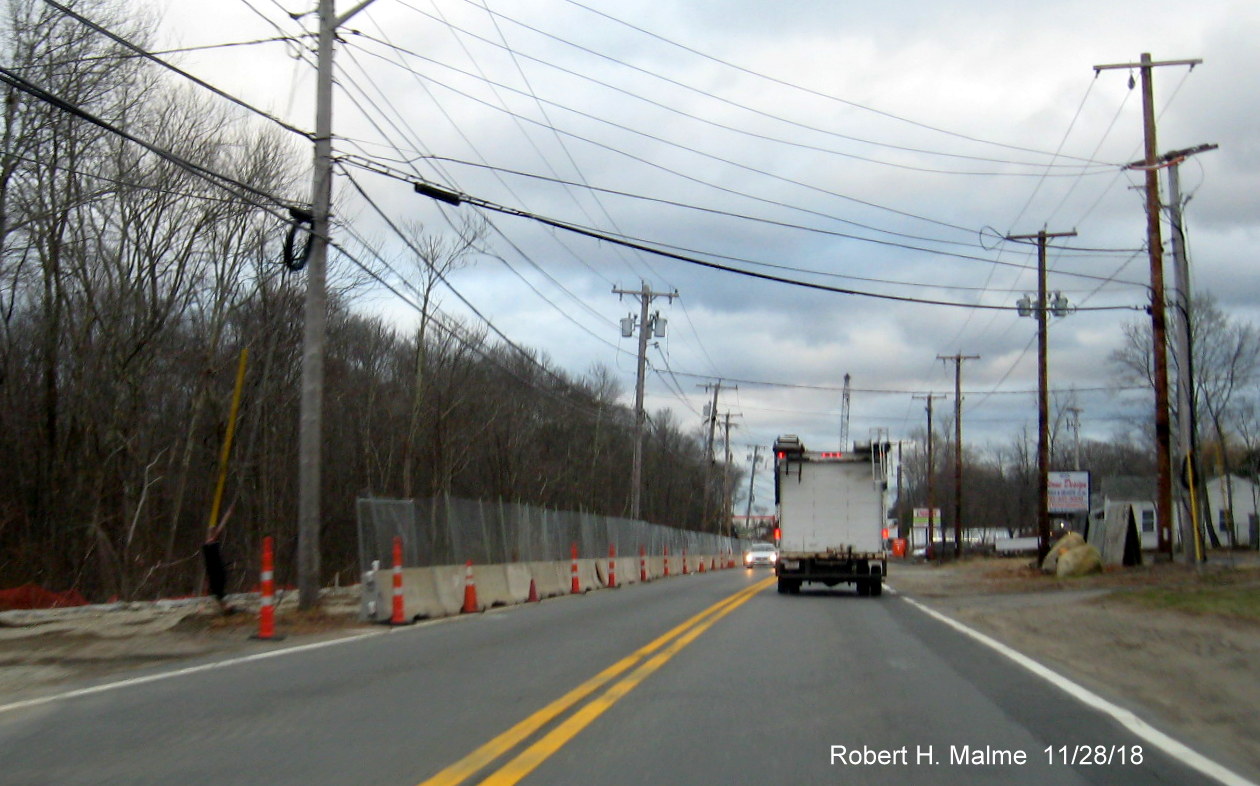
(831, 516)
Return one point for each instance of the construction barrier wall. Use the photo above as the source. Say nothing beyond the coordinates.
(451, 531)
(443, 590)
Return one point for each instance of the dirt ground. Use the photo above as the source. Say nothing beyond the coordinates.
(48, 651)
(1196, 676)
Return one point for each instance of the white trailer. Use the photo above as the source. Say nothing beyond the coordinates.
(831, 516)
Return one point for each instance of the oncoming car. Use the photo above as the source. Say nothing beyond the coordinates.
(760, 554)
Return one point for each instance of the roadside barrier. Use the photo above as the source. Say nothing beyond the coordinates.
(470, 590)
(448, 590)
(685, 569)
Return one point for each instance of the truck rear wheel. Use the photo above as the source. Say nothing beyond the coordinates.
(877, 582)
(863, 583)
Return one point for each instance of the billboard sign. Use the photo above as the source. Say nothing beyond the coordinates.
(921, 516)
(1068, 492)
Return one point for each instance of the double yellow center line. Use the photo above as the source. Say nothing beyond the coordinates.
(647, 659)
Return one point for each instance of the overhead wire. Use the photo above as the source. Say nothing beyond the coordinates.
(711, 156)
(1076, 169)
(829, 132)
(175, 69)
(391, 172)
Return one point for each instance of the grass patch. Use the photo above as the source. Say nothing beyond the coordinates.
(1210, 599)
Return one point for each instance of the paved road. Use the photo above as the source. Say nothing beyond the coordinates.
(709, 679)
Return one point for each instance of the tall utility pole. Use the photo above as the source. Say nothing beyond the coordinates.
(315, 325)
(958, 472)
(646, 325)
(1155, 243)
(1183, 351)
(711, 418)
(1043, 391)
(752, 479)
(844, 415)
(1075, 425)
(931, 477)
(726, 475)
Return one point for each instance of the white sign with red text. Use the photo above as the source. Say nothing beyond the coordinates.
(1068, 492)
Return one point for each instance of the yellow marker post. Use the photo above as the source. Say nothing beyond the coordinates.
(227, 444)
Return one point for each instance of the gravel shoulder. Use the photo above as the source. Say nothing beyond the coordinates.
(43, 653)
(1195, 676)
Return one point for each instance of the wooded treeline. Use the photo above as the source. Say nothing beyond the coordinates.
(129, 287)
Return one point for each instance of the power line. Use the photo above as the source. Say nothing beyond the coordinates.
(452, 198)
(1077, 169)
(379, 168)
(815, 129)
(200, 82)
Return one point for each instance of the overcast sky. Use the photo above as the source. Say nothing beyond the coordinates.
(879, 147)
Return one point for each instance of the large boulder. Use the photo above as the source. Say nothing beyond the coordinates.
(1079, 561)
(1066, 543)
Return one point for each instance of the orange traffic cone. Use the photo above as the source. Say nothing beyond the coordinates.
(575, 586)
(533, 592)
(398, 617)
(470, 590)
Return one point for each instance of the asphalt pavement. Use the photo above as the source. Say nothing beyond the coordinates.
(701, 679)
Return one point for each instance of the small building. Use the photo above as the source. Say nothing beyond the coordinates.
(1126, 499)
(1246, 522)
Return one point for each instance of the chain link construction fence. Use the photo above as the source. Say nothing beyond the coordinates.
(449, 531)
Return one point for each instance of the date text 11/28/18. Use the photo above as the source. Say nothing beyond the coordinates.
(1094, 755)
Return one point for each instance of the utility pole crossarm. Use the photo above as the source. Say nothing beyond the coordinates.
(1148, 64)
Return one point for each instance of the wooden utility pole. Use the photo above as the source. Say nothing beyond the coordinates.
(752, 479)
(931, 476)
(1155, 243)
(726, 477)
(958, 473)
(1043, 393)
(315, 327)
(1183, 351)
(646, 325)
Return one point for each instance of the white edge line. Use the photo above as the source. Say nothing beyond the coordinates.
(35, 702)
(1126, 718)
